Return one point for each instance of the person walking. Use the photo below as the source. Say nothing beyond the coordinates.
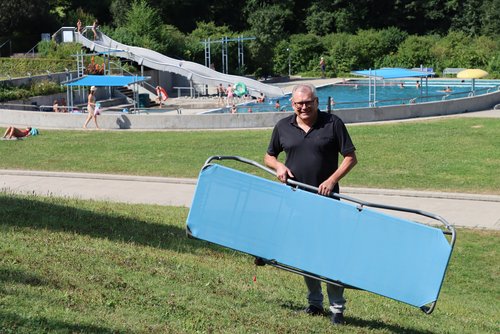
(312, 141)
(91, 108)
(322, 65)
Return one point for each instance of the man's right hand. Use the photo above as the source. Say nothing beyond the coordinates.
(282, 172)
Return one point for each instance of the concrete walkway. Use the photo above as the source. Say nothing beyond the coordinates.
(460, 210)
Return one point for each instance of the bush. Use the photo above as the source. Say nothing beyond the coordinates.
(305, 52)
(44, 87)
(20, 67)
(63, 51)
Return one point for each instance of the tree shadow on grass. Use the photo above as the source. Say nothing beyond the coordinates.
(21, 277)
(353, 322)
(14, 323)
(377, 324)
(54, 215)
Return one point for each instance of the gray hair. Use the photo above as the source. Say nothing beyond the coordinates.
(305, 88)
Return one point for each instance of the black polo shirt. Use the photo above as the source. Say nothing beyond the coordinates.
(313, 156)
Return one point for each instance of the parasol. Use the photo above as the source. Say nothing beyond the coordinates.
(473, 74)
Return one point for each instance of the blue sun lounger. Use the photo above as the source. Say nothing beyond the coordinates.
(295, 229)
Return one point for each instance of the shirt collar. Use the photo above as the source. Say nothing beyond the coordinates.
(293, 121)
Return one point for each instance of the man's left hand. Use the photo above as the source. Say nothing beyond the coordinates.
(326, 188)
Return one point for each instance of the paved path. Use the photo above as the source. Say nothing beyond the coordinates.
(461, 210)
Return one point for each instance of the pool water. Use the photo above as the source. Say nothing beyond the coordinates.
(355, 94)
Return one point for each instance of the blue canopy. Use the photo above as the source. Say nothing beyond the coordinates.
(392, 73)
(106, 80)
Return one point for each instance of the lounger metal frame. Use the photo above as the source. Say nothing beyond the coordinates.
(449, 229)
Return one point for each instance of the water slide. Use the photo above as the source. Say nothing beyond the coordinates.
(194, 72)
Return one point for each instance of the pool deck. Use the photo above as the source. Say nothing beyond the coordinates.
(189, 106)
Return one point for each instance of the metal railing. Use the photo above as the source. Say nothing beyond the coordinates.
(10, 46)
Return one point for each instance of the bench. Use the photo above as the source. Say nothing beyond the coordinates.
(192, 91)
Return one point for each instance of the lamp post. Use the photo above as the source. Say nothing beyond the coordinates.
(289, 63)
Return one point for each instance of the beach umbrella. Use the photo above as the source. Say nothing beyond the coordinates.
(474, 73)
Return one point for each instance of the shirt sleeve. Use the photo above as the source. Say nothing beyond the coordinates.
(344, 139)
(274, 148)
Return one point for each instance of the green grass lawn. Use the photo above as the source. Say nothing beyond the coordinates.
(74, 266)
(453, 154)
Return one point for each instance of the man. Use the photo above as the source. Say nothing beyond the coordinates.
(220, 93)
(312, 141)
(322, 65)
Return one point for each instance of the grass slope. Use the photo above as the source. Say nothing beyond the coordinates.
(73, 266)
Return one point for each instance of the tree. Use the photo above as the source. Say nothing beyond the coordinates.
(141, 28)
(490, 16)
(118, 10)
(320, 18)
(266, 24)
(307, 50)
(22, 15)
(205, 31)
(468, 19)
(416, 51)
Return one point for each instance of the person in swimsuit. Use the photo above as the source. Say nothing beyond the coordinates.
(91, 108)
(161, 95)
(13, 132)
(79, 26)
(234, 109)
(277, 105)
(95, 25)
(230, 94)
(220, 93)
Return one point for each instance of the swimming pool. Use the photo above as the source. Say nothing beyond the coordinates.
(357, 94)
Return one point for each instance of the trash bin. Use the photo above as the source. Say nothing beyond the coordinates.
(143, 100)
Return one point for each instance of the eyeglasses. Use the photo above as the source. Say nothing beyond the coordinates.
(301, 104)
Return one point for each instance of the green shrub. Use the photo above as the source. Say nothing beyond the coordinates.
(8, 93)
(22, 67)
(44, 87)
(63, 51)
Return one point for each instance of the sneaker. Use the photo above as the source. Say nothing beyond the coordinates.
(338, 319)
(259, 261)
(314, 310)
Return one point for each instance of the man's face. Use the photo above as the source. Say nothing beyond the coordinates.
(305, 105)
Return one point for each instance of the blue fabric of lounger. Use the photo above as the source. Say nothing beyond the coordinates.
(374, 251)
